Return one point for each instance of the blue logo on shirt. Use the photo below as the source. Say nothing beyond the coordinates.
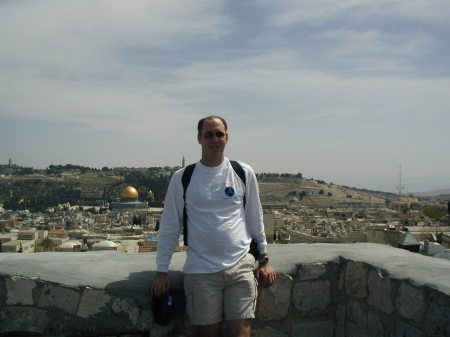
(229, 191)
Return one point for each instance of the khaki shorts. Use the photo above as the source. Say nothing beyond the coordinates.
(228, 294)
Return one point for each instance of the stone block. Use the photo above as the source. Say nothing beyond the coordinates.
(145, 320)
(311, 271)
(356, 280)
(312, 298)
(24, 319)
(374, 324)
(60, 297)
(162, 330)
(119, 306)
(267, 331)
(273, 302)
(402, 329)
(313, 329)
(19, 291)
(356, 323)
(437, 321)
(341, 280)
(410, 302)
(2, 292)
(380, 295)
(340, 320)
(92, 302)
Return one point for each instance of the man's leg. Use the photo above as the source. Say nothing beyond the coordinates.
(239, 328)
(204, 302)
(240, 297)
(212, 330)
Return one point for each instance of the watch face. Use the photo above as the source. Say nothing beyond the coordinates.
(264, 259)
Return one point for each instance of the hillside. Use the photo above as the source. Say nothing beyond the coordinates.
(39, 189)
(318, 193)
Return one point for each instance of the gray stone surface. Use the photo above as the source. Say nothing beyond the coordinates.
(380, 295)
(374, 324)
(127, 276)
(161, 331)
(356, 280)
(312, 297)
(341, 280)
(19, 291)
(313, 329)
(356, 322)
(92, 302)
(145, 320)
(60, 297)
(437, 320)
(23, 319)
(137, 269)
(311, 271)
(404, 330)
(410, 302)
(2, 292)
(273, 302)
(340, 320)
(267, 331)
(120, 305)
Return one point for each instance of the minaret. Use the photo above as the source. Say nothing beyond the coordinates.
(183, 162)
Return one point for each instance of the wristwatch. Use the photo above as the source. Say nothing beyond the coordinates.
(263, 259)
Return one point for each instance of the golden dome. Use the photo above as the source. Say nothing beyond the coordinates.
(129, 192)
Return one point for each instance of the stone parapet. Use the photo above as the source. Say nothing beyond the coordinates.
(326, 290)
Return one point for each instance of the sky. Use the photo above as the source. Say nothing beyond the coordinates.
(345, 91)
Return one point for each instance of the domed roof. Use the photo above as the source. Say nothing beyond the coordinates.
(106, 244)
(70, 244)
(129, 192)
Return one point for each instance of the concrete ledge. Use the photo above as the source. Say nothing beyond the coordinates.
(326, 290)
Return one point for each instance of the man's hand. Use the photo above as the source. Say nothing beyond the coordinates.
(267, 273)
(160, 284)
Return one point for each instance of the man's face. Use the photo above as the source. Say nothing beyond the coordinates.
(213, 137)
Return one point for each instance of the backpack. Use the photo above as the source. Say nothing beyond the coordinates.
(186, 179)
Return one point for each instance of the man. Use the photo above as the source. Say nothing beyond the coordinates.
(219, 272)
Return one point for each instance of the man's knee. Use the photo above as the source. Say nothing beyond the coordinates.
(239, 327)
(211, 330)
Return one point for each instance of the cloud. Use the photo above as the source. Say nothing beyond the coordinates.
(79, 38)
(295, 78)
(321, 12)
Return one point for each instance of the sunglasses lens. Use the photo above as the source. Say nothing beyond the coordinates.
(209, 134)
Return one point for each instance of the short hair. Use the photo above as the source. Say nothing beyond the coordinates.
(201, 121)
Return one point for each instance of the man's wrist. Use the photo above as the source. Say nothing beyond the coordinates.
(263, 259)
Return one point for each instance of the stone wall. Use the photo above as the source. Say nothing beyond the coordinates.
(333, 290)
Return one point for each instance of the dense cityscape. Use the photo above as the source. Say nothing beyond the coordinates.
(119, 209)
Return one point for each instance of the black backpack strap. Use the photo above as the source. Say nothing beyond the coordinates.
(185, 180)
(241, 173)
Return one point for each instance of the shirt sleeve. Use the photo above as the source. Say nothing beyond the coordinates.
(171, 223)
(253, 210)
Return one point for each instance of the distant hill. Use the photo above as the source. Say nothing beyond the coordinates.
(38, 189)
(442, 193)
(315, 192)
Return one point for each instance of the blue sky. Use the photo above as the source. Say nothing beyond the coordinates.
(344, 91)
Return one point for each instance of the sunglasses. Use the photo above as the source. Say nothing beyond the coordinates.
(209, 134)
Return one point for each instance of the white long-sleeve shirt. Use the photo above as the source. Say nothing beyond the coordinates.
(219, 229)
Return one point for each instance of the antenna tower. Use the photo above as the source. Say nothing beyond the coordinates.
(400, 186)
